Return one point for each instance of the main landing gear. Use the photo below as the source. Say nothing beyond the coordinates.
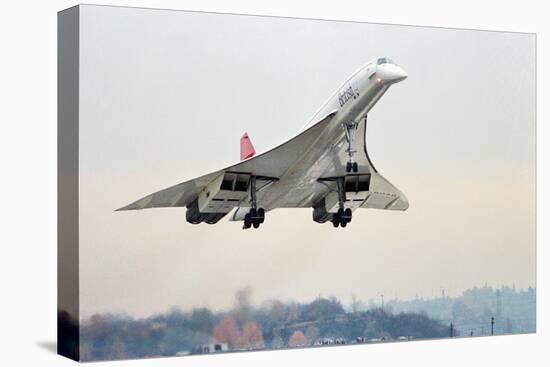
(350, 128)
(343, 216)
(255, 216)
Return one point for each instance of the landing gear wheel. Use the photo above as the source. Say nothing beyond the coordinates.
(251, 218)
(261, 215)
(355, 167)
(247, 221)
(345, 218)
(349, 166)
(347, 214)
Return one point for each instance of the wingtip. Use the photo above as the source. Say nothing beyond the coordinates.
(402, 203)
(125, 208)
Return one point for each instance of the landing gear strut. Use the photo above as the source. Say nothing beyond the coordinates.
(350, 128)
(255, 216)
(343, 216)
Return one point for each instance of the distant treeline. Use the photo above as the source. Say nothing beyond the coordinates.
(274, 324)
(512, 310)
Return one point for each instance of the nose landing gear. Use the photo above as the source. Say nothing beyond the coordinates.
(350, 128)
(351, 166)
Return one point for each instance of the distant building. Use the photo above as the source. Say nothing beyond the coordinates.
(214, 347)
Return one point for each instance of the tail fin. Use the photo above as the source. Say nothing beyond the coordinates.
(247, 149)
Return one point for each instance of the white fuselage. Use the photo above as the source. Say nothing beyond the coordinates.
(325, 167)
(360, 92)
(352, 101)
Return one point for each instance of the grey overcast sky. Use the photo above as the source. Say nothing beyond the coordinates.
(166, 95)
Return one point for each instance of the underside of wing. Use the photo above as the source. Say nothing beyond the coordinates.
(363, 188)
(377, 192)
(178, 195)
(220, 191)
(383, 195)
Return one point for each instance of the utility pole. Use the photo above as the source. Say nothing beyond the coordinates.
(382, 298)
(492, 324)
(451, 327)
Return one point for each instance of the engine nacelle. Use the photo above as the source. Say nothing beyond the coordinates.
(194, 216)
(218, 198)
(320, 212)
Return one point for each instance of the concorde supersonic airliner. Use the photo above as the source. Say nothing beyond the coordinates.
(325, 167)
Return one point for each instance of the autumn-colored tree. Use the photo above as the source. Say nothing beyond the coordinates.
(298, 339)
(227, 331)
(252, 337)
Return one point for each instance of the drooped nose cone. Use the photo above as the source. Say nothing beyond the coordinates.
(391, 73)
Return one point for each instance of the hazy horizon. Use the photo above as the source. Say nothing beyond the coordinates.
(166, 95)
(346, 302)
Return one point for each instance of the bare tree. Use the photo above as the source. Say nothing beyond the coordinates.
(312, 334)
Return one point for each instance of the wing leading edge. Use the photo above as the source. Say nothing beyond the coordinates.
(271, 164)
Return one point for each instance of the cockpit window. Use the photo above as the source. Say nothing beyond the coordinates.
(384, 60)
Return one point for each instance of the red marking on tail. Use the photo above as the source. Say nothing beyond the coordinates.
(247, 149)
